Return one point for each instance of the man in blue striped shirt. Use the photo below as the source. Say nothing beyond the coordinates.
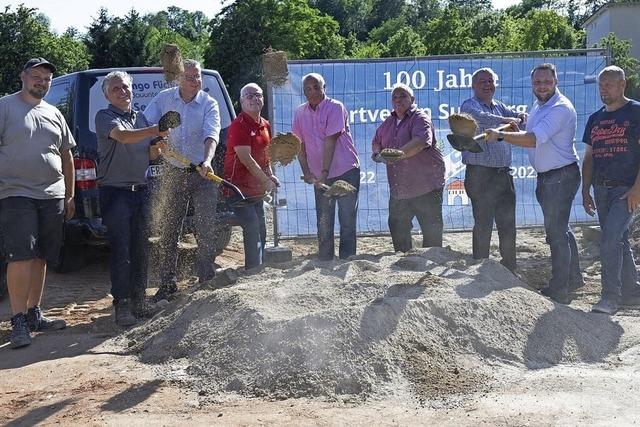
(487, 179)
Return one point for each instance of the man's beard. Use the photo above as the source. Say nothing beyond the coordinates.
(544, 98)
(37, 93)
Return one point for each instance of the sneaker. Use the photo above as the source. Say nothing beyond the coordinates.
(124, 315)
(165, 292)
(606, 306)
(37, 322)
(20, 336)
(559, 297)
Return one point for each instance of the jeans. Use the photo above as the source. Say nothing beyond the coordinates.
(619, 275)
(427, 208)
(254, 233)
(180, 187)
(347, 216)
(555, 192)
(127, 216)
(493, 197)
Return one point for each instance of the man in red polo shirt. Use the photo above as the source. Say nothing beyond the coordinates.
(246, 164)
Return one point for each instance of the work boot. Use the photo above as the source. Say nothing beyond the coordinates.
(142, 308)
(20, 336)
(165, 292)
(606, 306)
(576, 283)
(37, 322)
(559, 297)
(124, 315)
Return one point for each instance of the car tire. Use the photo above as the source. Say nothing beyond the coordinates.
(223, 237)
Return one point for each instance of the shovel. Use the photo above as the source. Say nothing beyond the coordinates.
(468, 143)
(339, 188)
(239, 201)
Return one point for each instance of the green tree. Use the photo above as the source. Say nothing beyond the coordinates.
(351, 15)
(545, 29)
(621, 56)
(131, 42)
(405, 42)
(25, 34)
(101, 40)
(255, 25)
(448, 34)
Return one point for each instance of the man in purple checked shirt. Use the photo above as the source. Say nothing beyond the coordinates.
(416, 179)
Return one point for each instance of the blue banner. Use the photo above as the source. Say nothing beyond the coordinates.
(440, 87)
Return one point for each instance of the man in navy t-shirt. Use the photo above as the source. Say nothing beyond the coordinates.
(610, 164)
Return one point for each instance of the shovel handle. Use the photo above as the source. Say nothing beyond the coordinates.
(484, 134)
(210, 175)
(324, 187)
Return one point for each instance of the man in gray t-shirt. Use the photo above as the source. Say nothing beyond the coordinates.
(124, 148)
(36, 194)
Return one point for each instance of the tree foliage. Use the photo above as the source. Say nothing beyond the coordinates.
(25, 34)
(292, 26)
(234, 40)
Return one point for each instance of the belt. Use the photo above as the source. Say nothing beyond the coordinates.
(501, 169)
(609, 183)
(135, 187)
(570, 165)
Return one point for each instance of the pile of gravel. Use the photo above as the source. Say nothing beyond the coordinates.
(428, 323)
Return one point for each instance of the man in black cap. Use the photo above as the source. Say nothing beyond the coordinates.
(36, 194)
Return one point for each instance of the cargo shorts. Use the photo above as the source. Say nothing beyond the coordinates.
(31, 228)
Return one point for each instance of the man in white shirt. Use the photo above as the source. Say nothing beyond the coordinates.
(196, 138)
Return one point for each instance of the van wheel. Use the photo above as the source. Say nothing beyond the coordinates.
(223, 237)
(72, 258)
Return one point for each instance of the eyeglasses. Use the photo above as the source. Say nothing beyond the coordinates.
(253, 96)
(192, 78)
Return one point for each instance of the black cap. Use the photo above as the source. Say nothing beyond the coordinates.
(37, 62)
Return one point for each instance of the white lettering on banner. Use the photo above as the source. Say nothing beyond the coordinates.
(453, 81)
(523, 172)
(367, 177)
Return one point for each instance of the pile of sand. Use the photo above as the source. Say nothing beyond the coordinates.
(427, 323)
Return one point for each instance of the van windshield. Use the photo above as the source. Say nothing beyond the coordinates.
(147, 85)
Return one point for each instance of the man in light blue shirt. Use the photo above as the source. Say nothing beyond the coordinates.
(549, 139)
(196, 138)
(488, 180)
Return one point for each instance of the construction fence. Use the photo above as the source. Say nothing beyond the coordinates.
(440, 84)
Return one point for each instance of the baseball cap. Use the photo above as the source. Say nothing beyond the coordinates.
(36, 62)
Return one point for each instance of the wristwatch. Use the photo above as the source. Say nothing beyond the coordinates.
(500, 137)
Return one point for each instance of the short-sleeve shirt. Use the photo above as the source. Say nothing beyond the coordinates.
(200, 119)
(419, 174)
(246, 132)
(554, 124)
(121, 165)
(313, 126)
(495, 154)
(615, 140)
(31, 141)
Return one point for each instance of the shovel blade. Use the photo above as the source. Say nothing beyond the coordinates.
(464, 143)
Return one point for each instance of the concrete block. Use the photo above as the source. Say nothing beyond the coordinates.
(277, 254)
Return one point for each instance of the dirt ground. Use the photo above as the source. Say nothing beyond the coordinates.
(81, 376)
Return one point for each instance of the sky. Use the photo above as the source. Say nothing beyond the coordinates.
(80, 13)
